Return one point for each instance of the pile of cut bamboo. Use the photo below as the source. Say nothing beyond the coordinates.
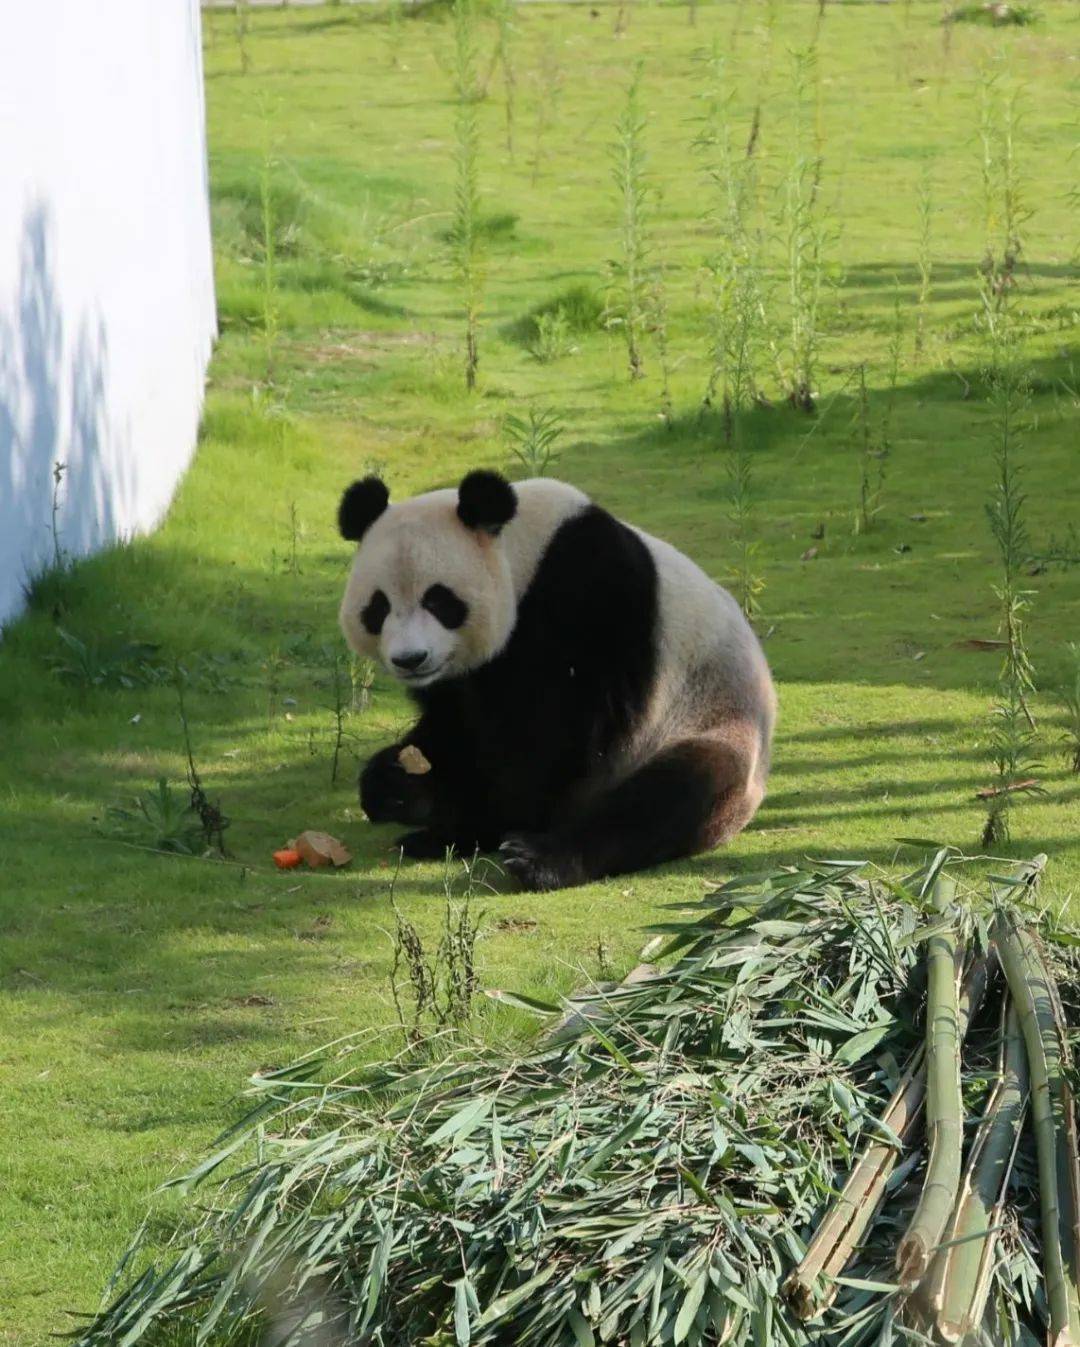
(651, 1172)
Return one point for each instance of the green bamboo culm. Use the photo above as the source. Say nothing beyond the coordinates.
(1054, 1119)
(960, 1279)
(944, 1106)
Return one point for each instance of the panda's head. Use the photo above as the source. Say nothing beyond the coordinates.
(430, 592)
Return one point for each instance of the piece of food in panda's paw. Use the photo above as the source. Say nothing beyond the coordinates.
(413, 761)
(321, 849)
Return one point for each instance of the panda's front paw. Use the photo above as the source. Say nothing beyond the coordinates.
(389, 794)
(538, 864)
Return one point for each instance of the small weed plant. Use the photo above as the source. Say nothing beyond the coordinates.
(161, 819)
(748, 582)
(465, 234)
(1070, 701)
(361, 681)
(504, 59)
(533, 438)
(342, 703)
(1005, 209)
(804, 236)
(241, 23)
(634, 199)
(552, 341)
(924, 257)
(548, 80)
(737, 327)
(1005, 213)
(433, 989)
(94, 664)
(874, 436)
(268, 264)
(658, 326)
(212, 821)
(1013, 731)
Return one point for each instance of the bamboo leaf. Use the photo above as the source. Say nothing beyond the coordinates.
(462, 1331)
(691, 1304)
(522, 1002)
(581, 1328)
(506, 1304)
(462, 1123)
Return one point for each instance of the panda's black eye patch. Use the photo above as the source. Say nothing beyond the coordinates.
(445, 606)
(375, 612)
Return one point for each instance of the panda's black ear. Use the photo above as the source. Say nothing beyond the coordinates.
(486, 501)
(360, 506)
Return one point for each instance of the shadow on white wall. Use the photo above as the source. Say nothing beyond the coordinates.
(106, 274)
(53, 400)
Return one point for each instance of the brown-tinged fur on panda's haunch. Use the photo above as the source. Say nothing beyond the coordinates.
(590, 701)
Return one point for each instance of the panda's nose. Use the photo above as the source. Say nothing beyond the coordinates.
(410, 661)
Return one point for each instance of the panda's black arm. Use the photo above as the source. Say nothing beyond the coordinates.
(441, 801)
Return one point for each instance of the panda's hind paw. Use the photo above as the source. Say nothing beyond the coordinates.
(535, 864)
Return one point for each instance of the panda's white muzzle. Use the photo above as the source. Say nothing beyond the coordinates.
(416, 648)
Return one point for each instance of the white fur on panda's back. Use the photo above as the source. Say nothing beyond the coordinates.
(710, 668)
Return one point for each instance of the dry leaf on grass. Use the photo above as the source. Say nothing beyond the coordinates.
(515, 925)
(989, 792)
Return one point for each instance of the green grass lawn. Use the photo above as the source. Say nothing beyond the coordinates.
(139, 989)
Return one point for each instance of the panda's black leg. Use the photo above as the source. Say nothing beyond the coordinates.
(430, 844)
(688, 798)
(423, 845)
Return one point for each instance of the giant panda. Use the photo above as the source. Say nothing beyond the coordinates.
(591, 703)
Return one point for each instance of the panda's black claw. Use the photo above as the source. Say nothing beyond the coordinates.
(533, 863)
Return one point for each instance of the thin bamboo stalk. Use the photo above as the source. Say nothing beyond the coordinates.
(944, 1105)
(959, 1280)
(811, 1287)
(1054, 1120)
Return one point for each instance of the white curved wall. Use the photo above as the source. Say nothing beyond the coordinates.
(106, 280)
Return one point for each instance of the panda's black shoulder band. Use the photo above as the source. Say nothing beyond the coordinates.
(486, 501)
(361, 505)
